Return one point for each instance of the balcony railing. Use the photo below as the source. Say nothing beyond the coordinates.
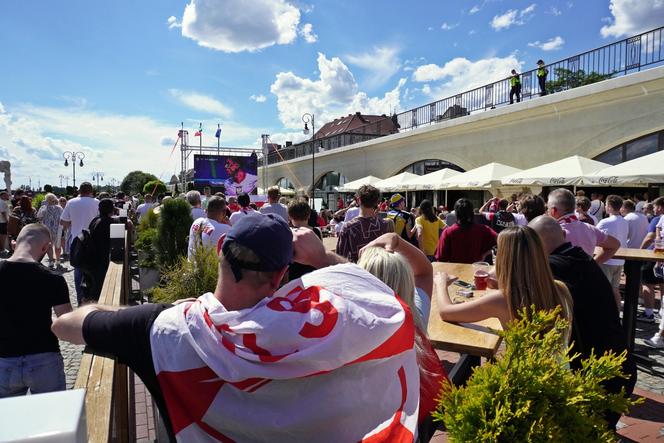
(609, 61)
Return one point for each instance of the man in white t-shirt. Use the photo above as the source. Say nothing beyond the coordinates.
(194, 199)
(596, 206)
(238, 180)
(273, 206)
(637, 222)
(616, 226)
(207, 231)
(143, 208)
(77, 216)
(245, 210)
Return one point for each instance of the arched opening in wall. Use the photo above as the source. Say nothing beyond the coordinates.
(326, 187)
(284, 183)
(647, 144)
(429, 165)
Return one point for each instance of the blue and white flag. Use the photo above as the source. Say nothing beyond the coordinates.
(218, 133)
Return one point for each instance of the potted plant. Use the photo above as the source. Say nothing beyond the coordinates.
(147, 251)
(530, 394)
(173, 231)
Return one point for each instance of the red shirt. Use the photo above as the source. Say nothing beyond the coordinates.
(465, 245)
(234, 207)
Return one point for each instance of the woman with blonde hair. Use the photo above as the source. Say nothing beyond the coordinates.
(524, 280)
(49, 215)
(405, 269)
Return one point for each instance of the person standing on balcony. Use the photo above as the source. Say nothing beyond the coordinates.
(542, 72)
(515, 87)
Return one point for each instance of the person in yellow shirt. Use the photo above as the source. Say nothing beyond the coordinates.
(428, 228)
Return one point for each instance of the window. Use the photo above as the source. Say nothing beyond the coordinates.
(430, 165)
(639, 147)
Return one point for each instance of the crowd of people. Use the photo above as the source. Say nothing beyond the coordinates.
(291, 323)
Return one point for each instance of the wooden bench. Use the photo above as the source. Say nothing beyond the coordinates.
(107, 383)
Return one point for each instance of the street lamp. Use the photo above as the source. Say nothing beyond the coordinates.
(97, 176)
(309, 118)
(73, 156)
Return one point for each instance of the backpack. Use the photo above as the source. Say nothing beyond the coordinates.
(82, 249)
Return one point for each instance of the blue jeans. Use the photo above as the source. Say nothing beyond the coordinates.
(44, 372)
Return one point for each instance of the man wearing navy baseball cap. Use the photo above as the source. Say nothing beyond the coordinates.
(247, 361)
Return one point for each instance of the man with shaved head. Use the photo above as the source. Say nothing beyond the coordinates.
(29, 352)
(596, 323)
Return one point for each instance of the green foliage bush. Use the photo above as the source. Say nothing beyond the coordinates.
(37, 200)
(568, 79)
(135, 181)
(530, 394)
(48, 188)
(154, 187)
(146, 241)
(187, 279)
(173, 231)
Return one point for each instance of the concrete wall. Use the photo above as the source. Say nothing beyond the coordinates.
(585, 121)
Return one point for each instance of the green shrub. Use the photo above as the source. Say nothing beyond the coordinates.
(146, 246)
(37, 200)
(187, 279)
(150, 220)
(530, 395)
(173, 230)
(154, 187)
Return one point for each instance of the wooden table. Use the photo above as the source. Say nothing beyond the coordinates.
(471, 340)
(634, 259)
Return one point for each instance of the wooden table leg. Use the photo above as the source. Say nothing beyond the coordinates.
(632, 292)
(463, 368)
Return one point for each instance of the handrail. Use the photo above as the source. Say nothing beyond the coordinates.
(108, 397)
(608, 61)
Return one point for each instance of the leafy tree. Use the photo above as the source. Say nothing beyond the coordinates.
(135, 181)
(568, 79)
(48, 188)
(530, 394)
(154, 187)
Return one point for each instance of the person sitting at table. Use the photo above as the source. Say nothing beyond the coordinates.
(406, 270)
(465, 241)
(524, 279)
(597, 325)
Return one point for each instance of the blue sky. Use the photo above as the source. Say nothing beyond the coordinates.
(115, 79)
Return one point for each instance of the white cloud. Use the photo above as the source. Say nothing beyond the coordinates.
(554, 11)
(633, 16)
(333, 94)
(201, 102)
(240, 25)
(460, 74)
(430, 28)
(474, 10)
(172, 22)
(34, 137)
(552, 44)
(447, 27)
(307, 32)
(382, 62)
(472, 32)
(260, 98)
(512, 17)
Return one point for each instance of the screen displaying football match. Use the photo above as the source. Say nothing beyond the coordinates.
(236, 174)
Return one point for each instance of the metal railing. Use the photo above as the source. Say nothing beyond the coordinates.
(609, 61)
(362, 133)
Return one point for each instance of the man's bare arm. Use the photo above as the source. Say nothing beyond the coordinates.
(69, 327)
(607, 249)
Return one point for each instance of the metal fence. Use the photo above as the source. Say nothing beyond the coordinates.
(609, 61)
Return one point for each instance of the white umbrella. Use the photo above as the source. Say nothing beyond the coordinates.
(432, 181)
(396, 183)
(642, 170)
(485, 177)
(566, 172)
(357, 184)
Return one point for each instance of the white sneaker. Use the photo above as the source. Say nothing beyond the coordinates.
(657, 342)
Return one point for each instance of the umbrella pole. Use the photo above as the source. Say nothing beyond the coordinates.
(574, 189)
(446, 205)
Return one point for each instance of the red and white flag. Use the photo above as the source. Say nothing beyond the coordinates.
(329, 357)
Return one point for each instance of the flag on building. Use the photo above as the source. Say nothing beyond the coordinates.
(198, 133)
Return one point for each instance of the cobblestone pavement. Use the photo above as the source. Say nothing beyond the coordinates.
(71, 354)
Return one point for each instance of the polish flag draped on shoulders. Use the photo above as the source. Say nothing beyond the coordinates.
(328, 357)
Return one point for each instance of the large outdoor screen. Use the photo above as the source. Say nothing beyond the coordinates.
(235, 174)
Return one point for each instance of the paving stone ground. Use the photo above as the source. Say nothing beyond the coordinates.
(71, 354)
